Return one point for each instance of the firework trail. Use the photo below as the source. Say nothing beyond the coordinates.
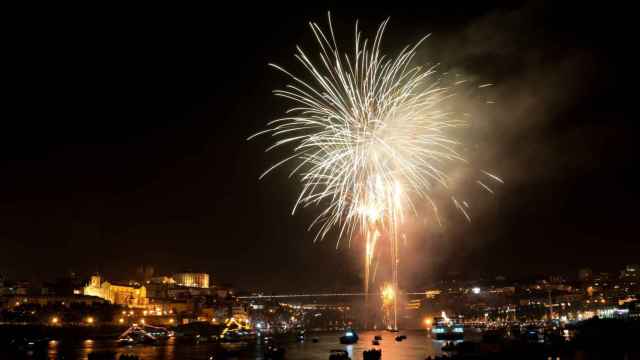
(369, 137)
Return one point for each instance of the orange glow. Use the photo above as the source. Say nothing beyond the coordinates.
(55, 320)
(388, 293)
(428, 322)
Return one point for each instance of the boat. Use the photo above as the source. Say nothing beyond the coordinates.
(233, 340)
(447, 329)
(378, 337)
(349, 337)
(104, 355)
(533, 335)
(143, 334)
(136, 340)
(339, 355)
(128, 357)
(373, 354)
(375, 342)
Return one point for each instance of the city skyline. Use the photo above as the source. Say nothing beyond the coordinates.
(133, 150)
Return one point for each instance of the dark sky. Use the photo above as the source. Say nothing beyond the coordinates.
(123, 142)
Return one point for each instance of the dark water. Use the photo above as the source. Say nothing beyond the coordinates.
(418, 345)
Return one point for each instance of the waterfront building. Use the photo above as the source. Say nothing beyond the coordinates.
(132, 295)
(183, 293)
(630, 272)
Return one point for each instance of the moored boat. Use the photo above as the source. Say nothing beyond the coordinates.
(349, 337)
(447, 329)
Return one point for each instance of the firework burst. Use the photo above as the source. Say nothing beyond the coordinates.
(370, 137)
(369, 134)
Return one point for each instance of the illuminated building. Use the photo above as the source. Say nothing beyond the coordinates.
(120, 294)
(199, 280)
(630, 272)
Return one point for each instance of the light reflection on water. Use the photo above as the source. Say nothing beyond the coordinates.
(418, 345)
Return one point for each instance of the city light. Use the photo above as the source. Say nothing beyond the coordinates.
(428, 322)
(142, 321)
(476, 290)
(90, 320)
(121, 321)
(55, 320)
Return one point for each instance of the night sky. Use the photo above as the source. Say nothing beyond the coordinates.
(124, 133)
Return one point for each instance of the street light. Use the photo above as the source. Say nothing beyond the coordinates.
(55, 320)
(428, 322)
(89, 320)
